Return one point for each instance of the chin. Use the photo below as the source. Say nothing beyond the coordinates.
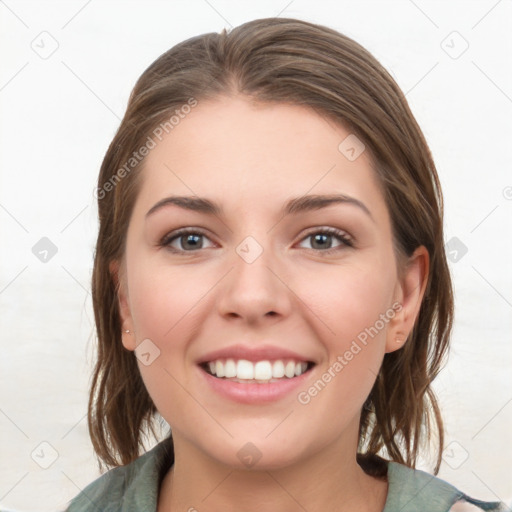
(260, 454)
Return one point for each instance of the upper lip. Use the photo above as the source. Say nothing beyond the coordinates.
(260, 353)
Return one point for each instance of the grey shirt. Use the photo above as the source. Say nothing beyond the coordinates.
(135, 487)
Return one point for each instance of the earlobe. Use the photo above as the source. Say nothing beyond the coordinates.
(409, 294)
(118, 278)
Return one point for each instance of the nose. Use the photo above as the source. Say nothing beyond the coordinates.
(255, 290)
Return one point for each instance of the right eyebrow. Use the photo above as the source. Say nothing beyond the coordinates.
(194, 203)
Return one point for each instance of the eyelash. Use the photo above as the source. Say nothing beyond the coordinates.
(341, 235)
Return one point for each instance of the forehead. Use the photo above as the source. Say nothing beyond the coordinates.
(239, 152)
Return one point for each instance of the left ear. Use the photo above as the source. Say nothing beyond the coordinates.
(408, 295)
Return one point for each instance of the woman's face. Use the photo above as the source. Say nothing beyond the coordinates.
(272, 279)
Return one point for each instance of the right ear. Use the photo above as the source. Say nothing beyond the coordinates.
(118, 274)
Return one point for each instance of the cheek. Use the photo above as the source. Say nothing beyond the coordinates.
(166, 303)
(349, 309)
(162, 300)
(164, 310)
(348, 301)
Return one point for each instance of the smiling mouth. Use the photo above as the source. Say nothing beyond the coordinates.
(262, 372)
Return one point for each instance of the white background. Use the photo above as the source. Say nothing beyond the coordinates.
(58, 115)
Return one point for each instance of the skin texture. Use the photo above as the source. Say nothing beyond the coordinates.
(252, 158)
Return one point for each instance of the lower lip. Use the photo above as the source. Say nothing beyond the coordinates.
(254, 393)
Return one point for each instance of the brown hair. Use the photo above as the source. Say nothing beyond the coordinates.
(290, 61)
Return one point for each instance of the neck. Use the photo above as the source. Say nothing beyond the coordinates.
(330, 479)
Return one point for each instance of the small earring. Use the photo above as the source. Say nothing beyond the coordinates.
(127, 331)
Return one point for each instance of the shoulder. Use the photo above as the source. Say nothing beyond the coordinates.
(413, 490)
(131, 487)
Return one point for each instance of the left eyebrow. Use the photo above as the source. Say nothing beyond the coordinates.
(293, 206)
(316, 202)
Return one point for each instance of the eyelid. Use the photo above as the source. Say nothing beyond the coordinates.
(173, 235)
(346, 240)
(327, 229)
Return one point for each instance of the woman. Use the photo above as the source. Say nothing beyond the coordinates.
(270, 278)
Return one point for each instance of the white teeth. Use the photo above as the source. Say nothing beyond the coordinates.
(244, 369)
(230, 369)
(300, 368)
(278, 369)
(219, 369)
(261, 371)
(289, 369)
